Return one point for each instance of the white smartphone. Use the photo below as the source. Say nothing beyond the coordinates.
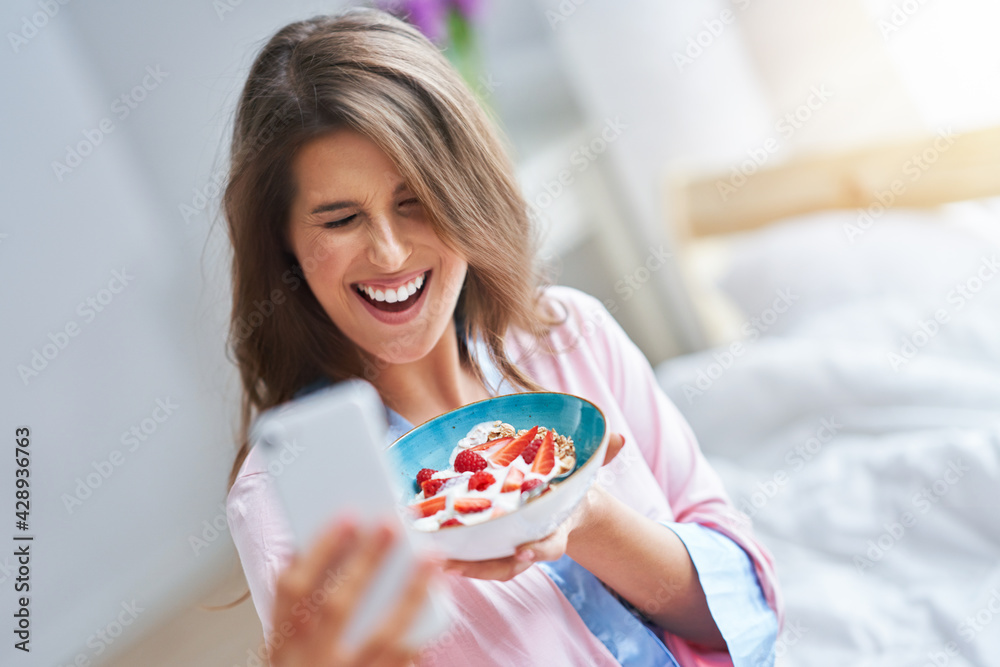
(341, 432)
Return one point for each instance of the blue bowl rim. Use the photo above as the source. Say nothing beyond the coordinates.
(494, 398)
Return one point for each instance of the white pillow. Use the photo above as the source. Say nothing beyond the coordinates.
(823, 261)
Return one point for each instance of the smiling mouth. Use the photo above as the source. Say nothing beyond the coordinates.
(394, 300)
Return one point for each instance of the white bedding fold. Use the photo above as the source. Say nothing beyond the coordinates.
(877, 490)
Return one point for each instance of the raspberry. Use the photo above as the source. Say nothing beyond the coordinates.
(431, 487)
(467, 461)
(481, 481)
(529, 452)
(530, 484)
(451, 522)
(424, 475)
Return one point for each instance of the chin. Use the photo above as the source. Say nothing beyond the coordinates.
(394, 352)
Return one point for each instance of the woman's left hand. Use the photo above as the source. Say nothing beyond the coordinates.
(550, 547)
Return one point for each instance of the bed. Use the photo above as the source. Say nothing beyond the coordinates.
(850, 399)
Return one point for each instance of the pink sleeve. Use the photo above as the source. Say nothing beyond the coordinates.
(262, 537)
(693, 489)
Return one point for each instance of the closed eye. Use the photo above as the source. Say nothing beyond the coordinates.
(339, 223)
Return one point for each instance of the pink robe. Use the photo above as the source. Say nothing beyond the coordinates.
(660, 472)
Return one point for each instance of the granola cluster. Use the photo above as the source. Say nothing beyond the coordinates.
(501, 430)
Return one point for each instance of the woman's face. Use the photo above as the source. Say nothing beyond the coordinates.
(368, 250)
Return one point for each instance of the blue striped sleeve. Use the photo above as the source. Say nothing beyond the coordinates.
(623, 633)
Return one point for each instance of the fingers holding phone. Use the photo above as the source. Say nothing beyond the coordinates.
(320, 590)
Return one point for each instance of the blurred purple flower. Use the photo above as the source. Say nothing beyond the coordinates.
(429, 16)
(469, 9)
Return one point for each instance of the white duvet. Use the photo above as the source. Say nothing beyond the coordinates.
(875, 482)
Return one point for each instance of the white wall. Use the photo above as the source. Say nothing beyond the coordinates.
(160, 339)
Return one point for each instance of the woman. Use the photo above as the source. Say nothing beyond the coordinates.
(372, 209)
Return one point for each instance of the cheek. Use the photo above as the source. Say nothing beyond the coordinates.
(455, 277)
(322, 261)
(323, 283)
(455, 266)
(325, 280)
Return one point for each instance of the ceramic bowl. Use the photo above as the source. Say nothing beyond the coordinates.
(430, 445)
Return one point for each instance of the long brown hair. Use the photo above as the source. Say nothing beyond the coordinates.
(375, 74)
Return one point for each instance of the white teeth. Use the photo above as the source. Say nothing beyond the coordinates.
(402, 293)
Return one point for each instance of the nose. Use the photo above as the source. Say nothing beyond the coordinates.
(389, 247)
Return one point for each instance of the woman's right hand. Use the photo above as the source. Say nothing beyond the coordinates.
(320, 590)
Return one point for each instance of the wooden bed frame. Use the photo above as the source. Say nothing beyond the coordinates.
(920, 173)
(924, 172)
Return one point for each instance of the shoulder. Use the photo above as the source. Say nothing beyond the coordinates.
(571, 301)
(253, 464)
(584, 331)
(251, 494)
(576, 313)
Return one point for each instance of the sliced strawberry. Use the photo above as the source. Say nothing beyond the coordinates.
(451, 522)
(468, 461)
(481, 481)
(531, 484)
(546, 458)
(506, 456)
(490, 445)
(513, 481)
(470, 505)
(428, 507)
(431, 487)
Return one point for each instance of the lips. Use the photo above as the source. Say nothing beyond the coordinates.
(393, 298)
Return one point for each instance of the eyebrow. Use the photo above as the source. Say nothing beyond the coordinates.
(337, 205)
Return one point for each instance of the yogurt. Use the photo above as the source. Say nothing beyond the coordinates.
(456, 484)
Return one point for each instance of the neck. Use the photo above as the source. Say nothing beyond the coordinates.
(432, 385)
